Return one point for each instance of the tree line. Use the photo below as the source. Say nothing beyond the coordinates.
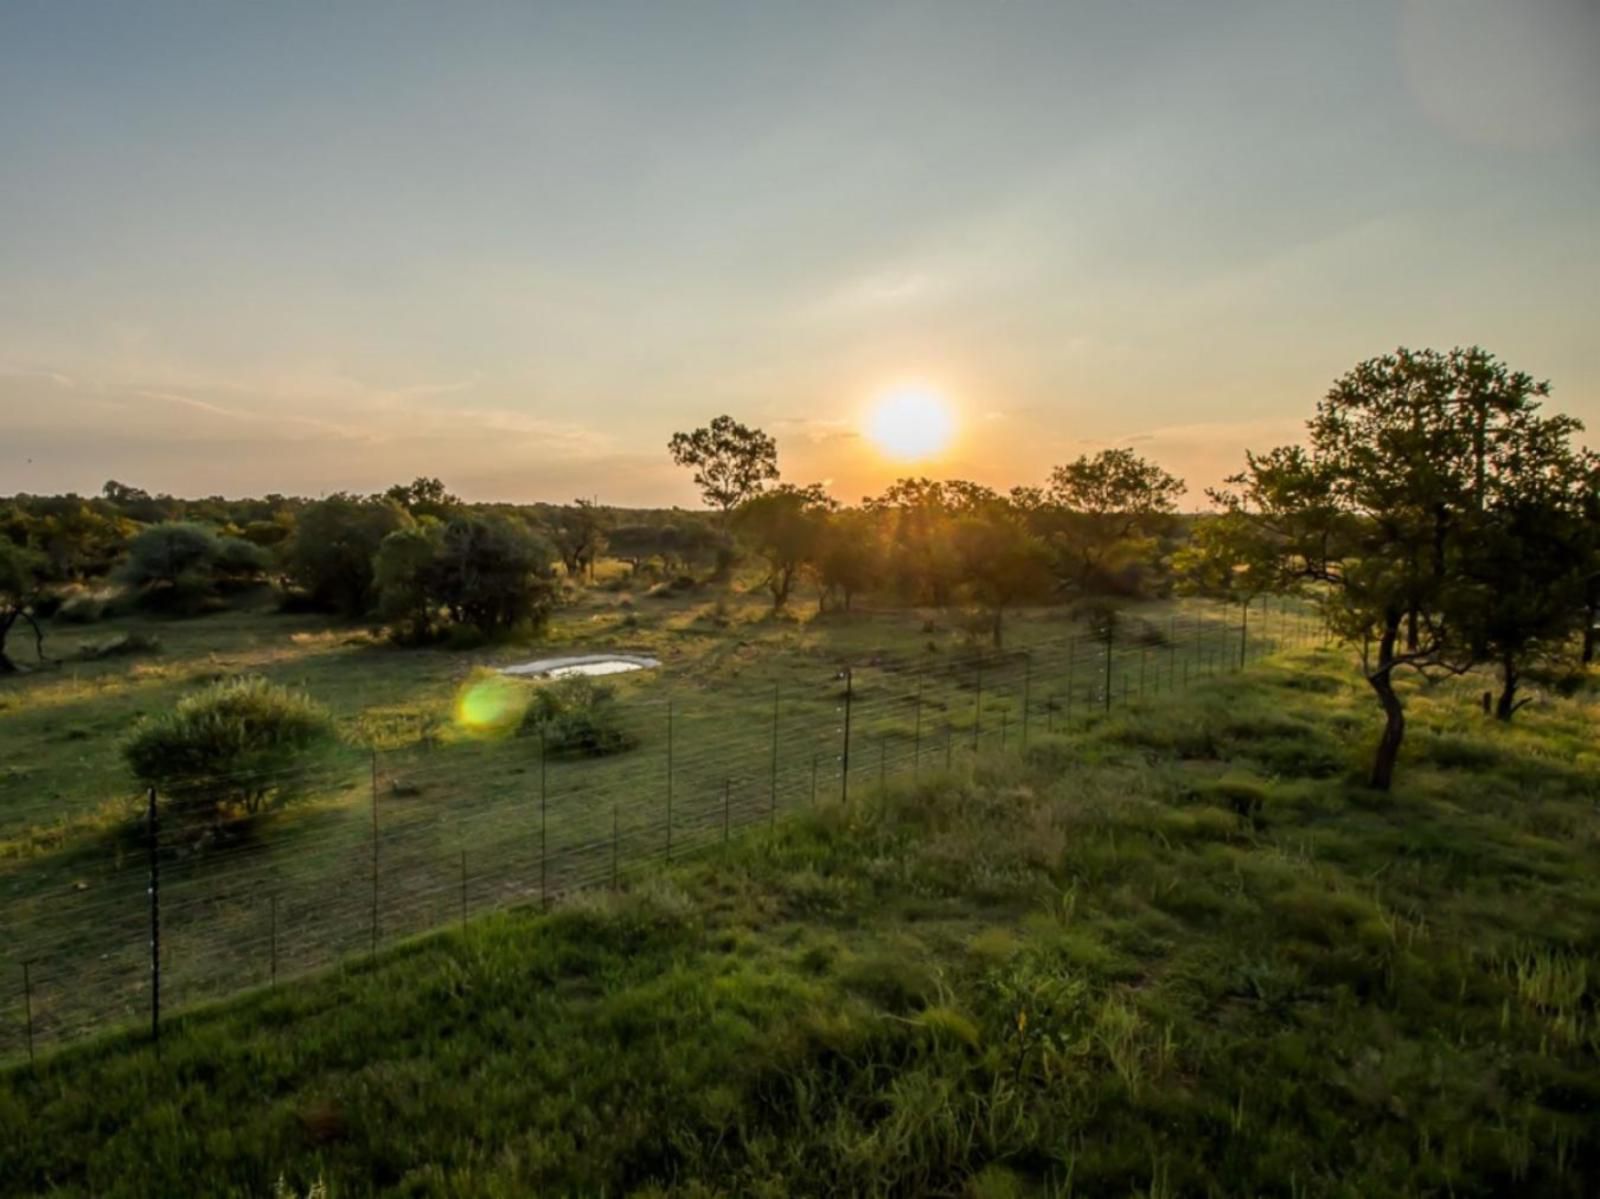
(1439, 518)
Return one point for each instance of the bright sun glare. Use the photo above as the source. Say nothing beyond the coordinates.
(911, 422)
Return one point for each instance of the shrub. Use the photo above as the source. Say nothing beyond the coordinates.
(83, 608)
(239, 746)
(579, 719)
(121, 645)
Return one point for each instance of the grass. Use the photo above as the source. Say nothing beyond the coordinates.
(747, 708)
(1158, 956)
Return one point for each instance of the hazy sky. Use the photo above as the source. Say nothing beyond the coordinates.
(277, 247)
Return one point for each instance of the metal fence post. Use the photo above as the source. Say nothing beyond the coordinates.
(614, 839)
(1244, 632)
(1110, 637)
(1027, 694)
(813, 780)
(916, 732)
(154, 821)
(977, 706)
(544, 893)
(463, 890)
(844, 774)
(272, 939)
(1072, 657)
(727, 791)
(27, 1008)
(773, 804)
(669, 780)
(374, 790)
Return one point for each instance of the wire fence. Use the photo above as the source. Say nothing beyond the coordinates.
(423, 833)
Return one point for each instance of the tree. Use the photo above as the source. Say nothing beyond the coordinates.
(21, 581)
(334, 546)
(1381, 510)
(784, 526)
(1526, 555)
(731, 462)
(578, 534)
(404, 576)
(491, 572)
(423, 496)
(1108, 509)
(1002, 563)
(239, 746)
(847, 558)
(921, 558)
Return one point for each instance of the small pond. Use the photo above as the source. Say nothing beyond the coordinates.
(581, 664)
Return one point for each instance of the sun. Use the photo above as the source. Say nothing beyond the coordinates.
(911, 421)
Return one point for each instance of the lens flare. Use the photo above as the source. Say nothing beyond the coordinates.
(490, 707)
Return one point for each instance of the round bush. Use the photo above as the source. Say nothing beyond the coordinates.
(578, 719)
(238, 747)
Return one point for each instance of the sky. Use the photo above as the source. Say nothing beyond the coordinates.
(300, 248)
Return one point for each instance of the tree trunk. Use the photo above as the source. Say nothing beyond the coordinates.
(7, 619)
(1506, 705)
(1411, 631)
(1394, 716)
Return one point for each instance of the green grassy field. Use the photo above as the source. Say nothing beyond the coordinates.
(420, 821)
(1179, 952)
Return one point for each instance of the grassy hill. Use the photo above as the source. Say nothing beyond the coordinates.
(1179, 953)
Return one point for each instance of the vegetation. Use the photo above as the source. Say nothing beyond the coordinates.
(1417, 510)
(237, 747)
(731, 462)
(577, 717)
(1171, 955)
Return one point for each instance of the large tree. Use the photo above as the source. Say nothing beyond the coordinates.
(493, 573)
(334, 546)
(731, 462)
(1002, 562)
(1104, 513)
(1383, 508)
(784, 526)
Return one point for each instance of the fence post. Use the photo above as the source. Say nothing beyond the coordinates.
(1027, 694)
(463, 890)
(1111, 624)
(977, 706)
(1072, 657)
(844, 775)
(775, 707)
(813, 780)
(544, 893)
(883, 763)
(727, 789)
(614, 847)
(916, 733)
(947, 743)
(1003, 732)
(669, 780)
(155, 921)
(1141, 668)
(1244, 632)
(374, 790)
(272, 939)
(27, 1008)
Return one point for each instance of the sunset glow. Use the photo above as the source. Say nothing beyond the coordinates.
(911, 422)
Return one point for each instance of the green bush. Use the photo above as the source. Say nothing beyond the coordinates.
(578, 719)
(238, 747)
(84, 607)
(119, 646)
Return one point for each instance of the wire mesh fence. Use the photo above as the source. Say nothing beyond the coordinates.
(422, 833)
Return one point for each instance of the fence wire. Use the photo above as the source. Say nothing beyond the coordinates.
(424, 834)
